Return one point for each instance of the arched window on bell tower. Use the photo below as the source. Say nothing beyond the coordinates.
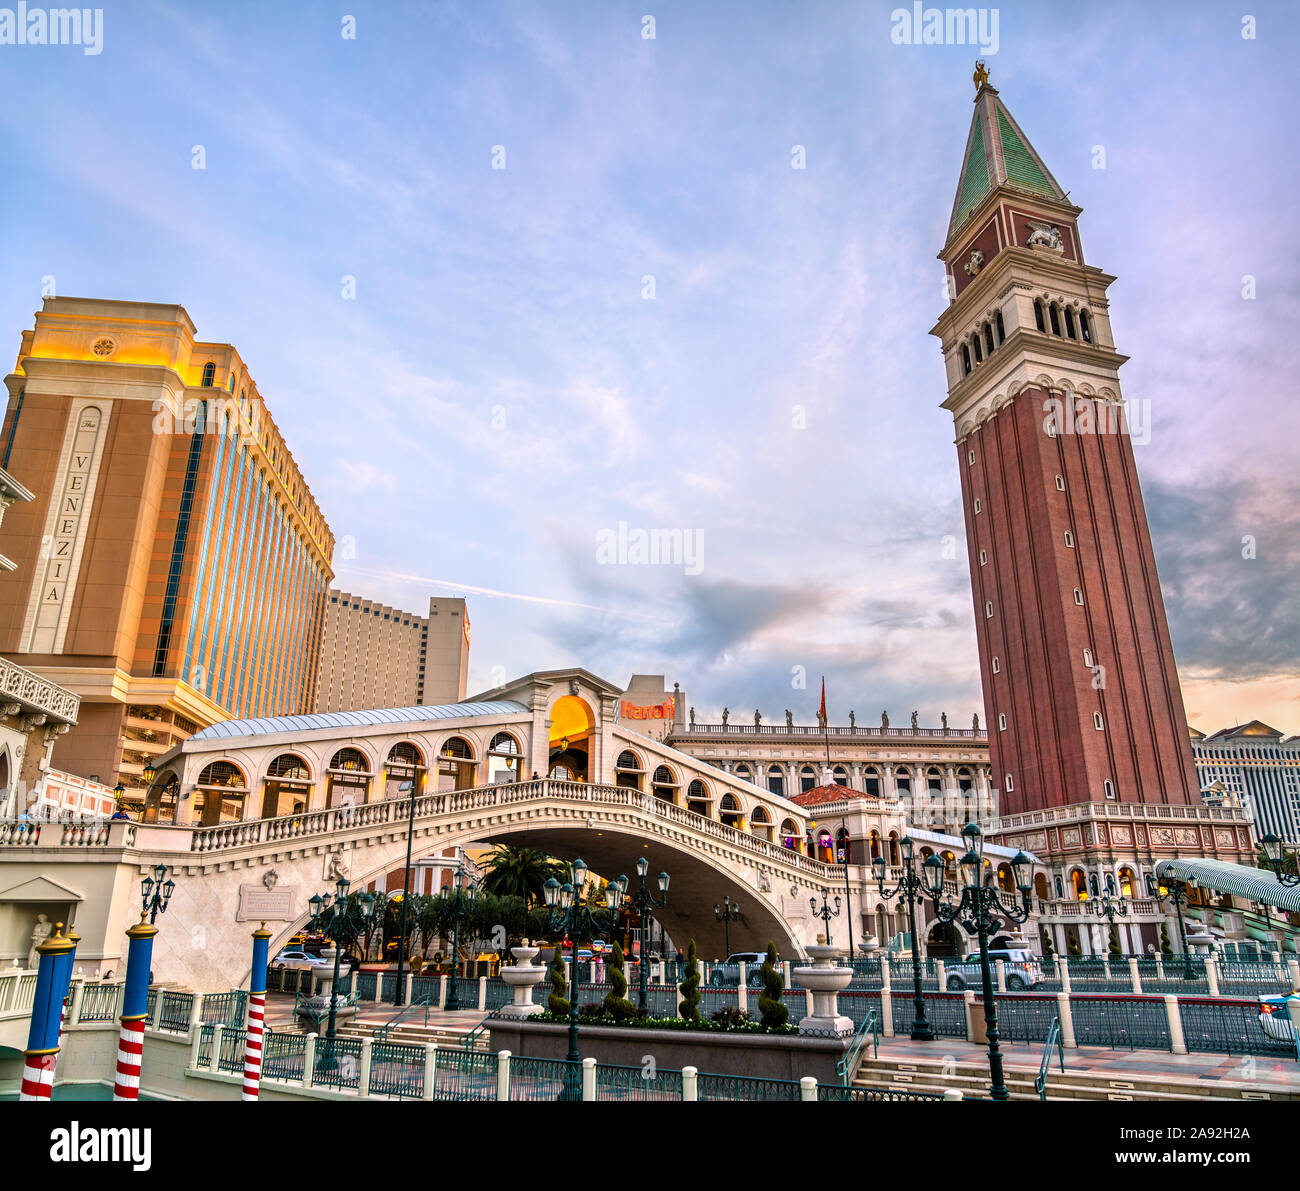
(965, 360)
(1085, 327)
(975, 342)
(1002, 334)
(988, 339)
(1038, 316)
(1069, 323)
(1055, 319)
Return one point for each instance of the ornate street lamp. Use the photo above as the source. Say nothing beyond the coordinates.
(979, 910)
(1275, 854)
(458, 904)
(1176, 892)
(1110, 908)
(826, 913)
(414, 783)
(644, 901)
(155, 892)
(727, 913)
(573, 917)
(909, 888)
(343, 919)
(149, 773)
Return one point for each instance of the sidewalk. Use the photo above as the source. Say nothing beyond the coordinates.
(1262, 1072)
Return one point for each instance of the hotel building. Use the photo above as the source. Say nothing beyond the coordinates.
(173, 564)
(376, 656)
(1257, 765)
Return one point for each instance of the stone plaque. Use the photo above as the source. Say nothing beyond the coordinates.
(259, 904)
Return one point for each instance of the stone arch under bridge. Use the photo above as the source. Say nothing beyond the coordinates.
(241, 870)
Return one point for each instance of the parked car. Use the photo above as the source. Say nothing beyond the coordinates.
(728, 974)
(1274, 1017)
(296, 959)
(1022, 968)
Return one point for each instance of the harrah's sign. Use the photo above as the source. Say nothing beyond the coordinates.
(657, 711)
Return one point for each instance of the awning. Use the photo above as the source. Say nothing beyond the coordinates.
(1257, 884)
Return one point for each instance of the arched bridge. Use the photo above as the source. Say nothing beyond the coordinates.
(232, 875)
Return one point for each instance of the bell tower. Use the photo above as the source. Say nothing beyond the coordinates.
(1080, 689)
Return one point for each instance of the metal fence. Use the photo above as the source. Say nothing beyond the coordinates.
(464, 1075)
(635, 1083)
(1025, 1018)
(397, 1069)
(740, 1087)
(225, 1009)
(837, 1092)
(175, 1015)
(1224, 1026)
(1253, 978)
(1121, 1022)
(338, 1063)
(542, 1079)
(283, 1055)
(945, 1011)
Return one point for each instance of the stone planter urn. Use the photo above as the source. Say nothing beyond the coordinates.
(523, 976)
(826, 981)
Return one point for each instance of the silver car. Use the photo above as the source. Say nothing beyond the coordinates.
(728, 974)
(1022, 968)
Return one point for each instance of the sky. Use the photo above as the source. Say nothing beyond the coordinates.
(509, 276)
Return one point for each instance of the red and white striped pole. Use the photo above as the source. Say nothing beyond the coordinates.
(253, 1036)
(135, 1010)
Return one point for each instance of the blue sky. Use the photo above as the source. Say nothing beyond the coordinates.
(500, 391)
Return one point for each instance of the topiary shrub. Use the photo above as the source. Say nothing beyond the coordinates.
(1072, 942)
(690, 986)
(1049, 950)
(616, 1002)
(774, 1010)
(1165, 947)
(557, 1002)
(1112, 944)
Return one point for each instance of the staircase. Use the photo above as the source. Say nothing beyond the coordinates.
(418, 1034)
(937, 1075)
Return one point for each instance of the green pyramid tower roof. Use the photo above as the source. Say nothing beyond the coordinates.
(998, 154)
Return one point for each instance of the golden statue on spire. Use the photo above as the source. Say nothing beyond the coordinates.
(981, 75)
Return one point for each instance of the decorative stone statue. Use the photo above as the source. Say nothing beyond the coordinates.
(1045, 236)
(975, 722)
(821, 720)
(944, 720)
(789, 718)
(40, 932)
(758, 719)
(884, 720)
(692, 717)
(853, 720)
(726, 715)
(914, 715)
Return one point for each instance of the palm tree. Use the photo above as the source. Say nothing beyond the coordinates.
(520, 872)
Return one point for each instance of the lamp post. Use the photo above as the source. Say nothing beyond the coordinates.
(344, 919)
(727, 913)
(979, 910)
(908, 889)
(826, 913)
(458, 904)
(1110, 908)
(155, 892)
(848, 899)
(644, 901)
(573, 917)
(1276, 855)
(1176, 892)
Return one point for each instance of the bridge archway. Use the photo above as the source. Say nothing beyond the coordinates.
(699, 880)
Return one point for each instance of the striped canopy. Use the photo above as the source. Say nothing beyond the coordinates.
(1257, 884)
